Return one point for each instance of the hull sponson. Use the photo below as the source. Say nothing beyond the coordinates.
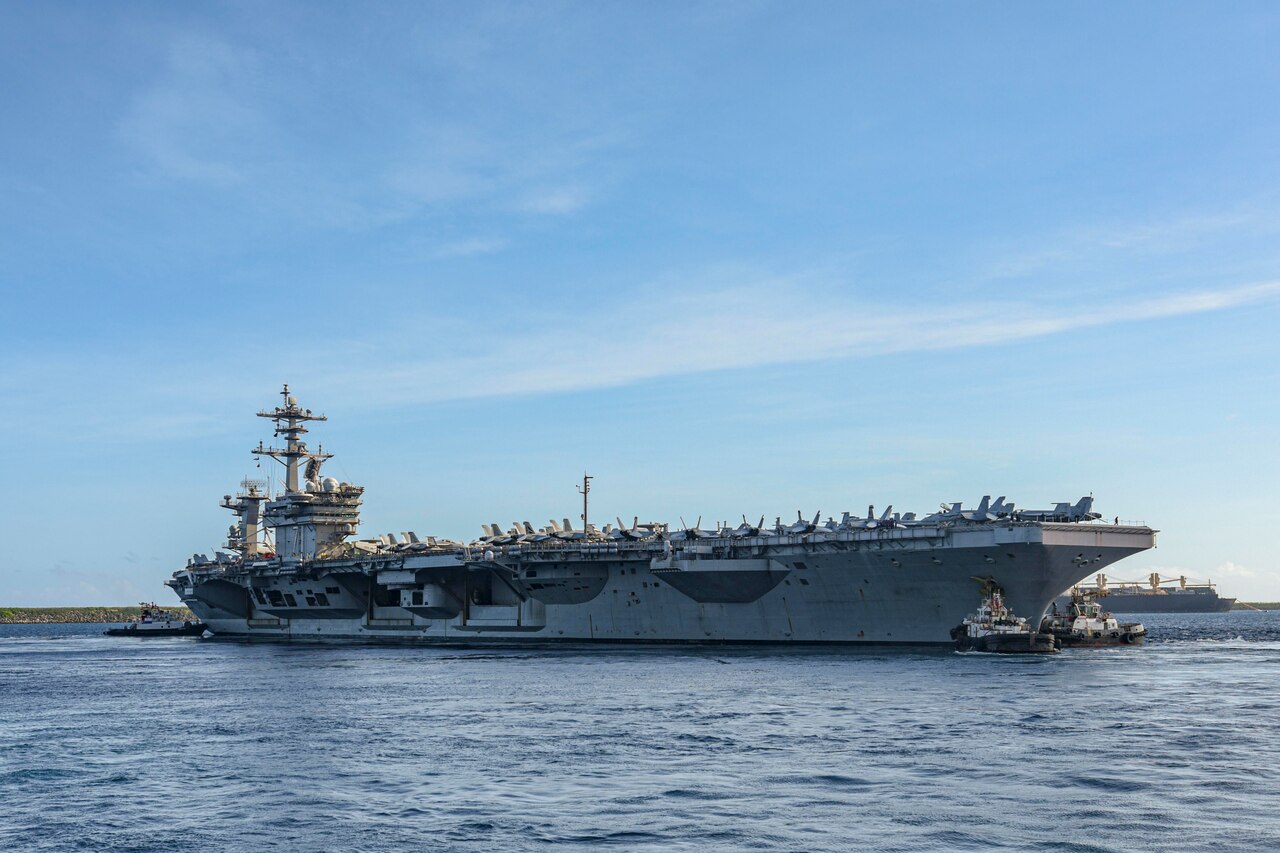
(908, 585)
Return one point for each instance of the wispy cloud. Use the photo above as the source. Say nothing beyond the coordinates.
(448, 163)
(192, 123)
(770, 322)
(1227, 569)
(222, 116)
(1173, 233)
(472, 246)
(95, 587)
(1108, 241)
(547, 171)
(1233, 570)
(668, 332)
(555, 200)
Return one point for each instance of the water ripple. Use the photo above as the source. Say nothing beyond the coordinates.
(181, 745)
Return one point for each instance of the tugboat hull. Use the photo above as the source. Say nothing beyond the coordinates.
(1008, 644)
(190, 629)
(1069, 639)
(1087, 625)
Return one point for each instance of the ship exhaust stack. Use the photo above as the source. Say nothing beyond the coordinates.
(245, 535)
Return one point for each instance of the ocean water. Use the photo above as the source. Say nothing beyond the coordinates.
(187, 745)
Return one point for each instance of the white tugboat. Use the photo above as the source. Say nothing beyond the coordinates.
(1085, 623)
(155, 622)
(994, 628)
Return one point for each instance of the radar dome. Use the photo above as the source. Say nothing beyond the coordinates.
(330, 484)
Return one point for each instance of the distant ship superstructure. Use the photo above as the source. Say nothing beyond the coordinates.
(294, 570)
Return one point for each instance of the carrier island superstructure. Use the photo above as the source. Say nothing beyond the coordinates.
(294, 569)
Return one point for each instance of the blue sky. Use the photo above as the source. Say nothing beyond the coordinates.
(730, 257)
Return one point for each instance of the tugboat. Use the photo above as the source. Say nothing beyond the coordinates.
(995, 629)
(1086, 624)
(154, 622)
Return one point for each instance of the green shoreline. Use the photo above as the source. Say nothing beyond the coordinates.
(67, 615)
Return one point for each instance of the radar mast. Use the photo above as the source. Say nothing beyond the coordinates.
(289, 420)
(313, 515)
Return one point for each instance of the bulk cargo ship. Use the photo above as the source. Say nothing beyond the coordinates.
(1156, 596)
(294, 569)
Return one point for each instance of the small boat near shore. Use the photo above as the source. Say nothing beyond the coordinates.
(155, 622)
(994, 628)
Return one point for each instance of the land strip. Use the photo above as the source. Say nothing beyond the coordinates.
(57, 615)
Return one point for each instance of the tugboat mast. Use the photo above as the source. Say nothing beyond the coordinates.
(289, 420)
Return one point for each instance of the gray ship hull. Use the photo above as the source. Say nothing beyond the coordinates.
(893, 585)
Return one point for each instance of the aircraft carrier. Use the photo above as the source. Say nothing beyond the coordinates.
(293, 569)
